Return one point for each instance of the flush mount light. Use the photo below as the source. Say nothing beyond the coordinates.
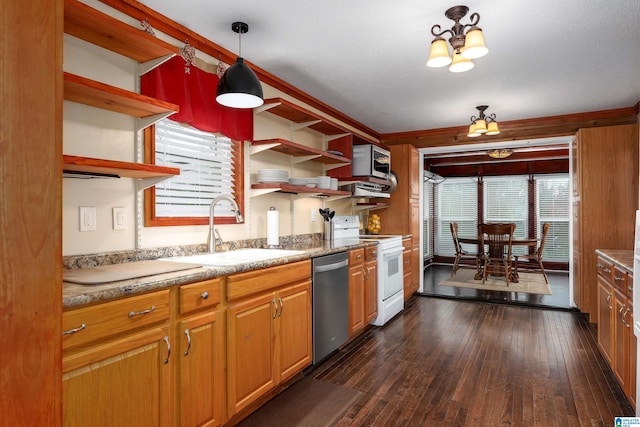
(465, 46)
(239, 87)
(501, 153)
(483, 124)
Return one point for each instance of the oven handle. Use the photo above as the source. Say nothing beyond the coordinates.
(331, 267)
(392, 253)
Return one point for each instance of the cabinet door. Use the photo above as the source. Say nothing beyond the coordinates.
(416, 268)
(371, 290)
(633, 353)
(620, 356)
(250, 346)
(605, 319)
(294, 330)
(414, 172)
(124, 382)
(201, 369)
(356, 299)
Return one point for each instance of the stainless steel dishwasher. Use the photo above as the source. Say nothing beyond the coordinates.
(330, 303)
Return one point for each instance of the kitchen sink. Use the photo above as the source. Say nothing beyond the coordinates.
(239, 256)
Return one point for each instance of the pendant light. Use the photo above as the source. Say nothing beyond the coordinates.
(483, 123)
(239, 87)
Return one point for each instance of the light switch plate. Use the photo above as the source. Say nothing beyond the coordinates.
(119, 219)
(87, 218)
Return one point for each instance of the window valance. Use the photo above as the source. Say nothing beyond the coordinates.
(195, 93)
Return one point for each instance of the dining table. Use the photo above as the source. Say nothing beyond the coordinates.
(514, 242)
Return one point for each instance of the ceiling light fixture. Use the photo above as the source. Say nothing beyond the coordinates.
(239, 87)
(465, 46)
(483, 124)
(500, 153)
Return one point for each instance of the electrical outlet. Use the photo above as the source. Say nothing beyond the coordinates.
(87, 218)
(313, 215)
(119, 219)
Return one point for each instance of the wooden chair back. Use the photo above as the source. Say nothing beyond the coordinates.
(496, 239)
(543, 239)
(454, 234)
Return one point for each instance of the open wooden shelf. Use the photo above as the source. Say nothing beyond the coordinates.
(298, 150)
(370, 206)
(290, 111)
(114, 168)
(296, 189)
(90, 92)
(93, 26)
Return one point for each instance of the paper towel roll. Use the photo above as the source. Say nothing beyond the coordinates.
(273, 221)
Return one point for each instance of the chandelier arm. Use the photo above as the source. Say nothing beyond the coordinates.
(491, 117)
(475, 18)
(474, 119)
(437, 27)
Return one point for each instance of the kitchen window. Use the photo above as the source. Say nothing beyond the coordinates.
(552, 207)
(457, 201)
(210, 165)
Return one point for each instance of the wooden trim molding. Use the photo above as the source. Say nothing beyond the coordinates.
(160, 22)
(542, 127)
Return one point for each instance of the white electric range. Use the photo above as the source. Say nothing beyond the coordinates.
(389, 256)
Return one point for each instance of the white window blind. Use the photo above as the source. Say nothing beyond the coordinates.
(456, 201)
(206, 163)
(428, 218)
(506, 199)
(552, 207)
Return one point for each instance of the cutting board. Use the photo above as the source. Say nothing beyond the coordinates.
(124, 271)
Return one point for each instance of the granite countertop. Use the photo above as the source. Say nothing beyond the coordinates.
(74, 295)
(623, 258)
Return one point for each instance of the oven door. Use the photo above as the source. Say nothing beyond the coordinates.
(391, 272)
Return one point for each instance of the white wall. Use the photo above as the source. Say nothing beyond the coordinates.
(93, 132)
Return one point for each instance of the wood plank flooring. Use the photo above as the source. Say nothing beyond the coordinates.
(465, 363)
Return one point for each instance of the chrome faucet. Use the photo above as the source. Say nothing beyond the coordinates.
(212, 240)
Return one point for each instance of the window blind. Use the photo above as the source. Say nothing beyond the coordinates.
(552, 206)
(428, 218)
(456, 201)
(206, 163)
(506, 199)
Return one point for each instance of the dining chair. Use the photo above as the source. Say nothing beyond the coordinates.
(495, 243)
(532, 262)
(460, 253)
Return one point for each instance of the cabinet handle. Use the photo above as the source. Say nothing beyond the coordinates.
(605, 269)
(204, 295)
(186, 332)
(374, 252)
(617, 279)
(609, 301)
(624, 316)
(73, 331)
(275, 304)
(166, 340)
(365, 272)
(281, 306)
(136, 313)
(358, 256)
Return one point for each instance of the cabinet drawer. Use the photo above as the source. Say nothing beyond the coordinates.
(252, 282)
(356, 256)
(406, 243)
(371, 253)
(87, 324)
(605, 269)
(406, 261)
(199, 295)
(620, 279)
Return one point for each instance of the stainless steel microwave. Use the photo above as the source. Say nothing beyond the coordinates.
(371, 160)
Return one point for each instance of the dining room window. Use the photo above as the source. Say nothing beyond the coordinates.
(456, 201)
(553, 207)
(506, 199)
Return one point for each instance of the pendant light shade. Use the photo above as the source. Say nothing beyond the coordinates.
(474, 44)
(460, 64)
(239, 87)
(492, 128)
(439, 54)
(472, 131)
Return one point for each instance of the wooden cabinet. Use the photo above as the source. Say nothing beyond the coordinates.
(606, 192)
(403, 214)
(269, 330)
(357, 318)
(616, 339)
(407, 270)
(371, 283)
(95, 27)
(200, 355)
(117, 363)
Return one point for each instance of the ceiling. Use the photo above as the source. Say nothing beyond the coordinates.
(366, 58)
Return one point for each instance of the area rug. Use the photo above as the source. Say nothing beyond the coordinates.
(308, 403)
(529, 283)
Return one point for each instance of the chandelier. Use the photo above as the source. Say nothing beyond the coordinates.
(465, 46)
(483, 124)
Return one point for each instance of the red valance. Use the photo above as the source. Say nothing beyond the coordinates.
(195, 93)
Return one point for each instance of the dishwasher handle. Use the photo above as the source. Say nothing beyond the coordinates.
(330, 267)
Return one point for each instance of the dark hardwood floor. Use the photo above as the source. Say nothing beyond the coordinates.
(452, 362)
(558, 282)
